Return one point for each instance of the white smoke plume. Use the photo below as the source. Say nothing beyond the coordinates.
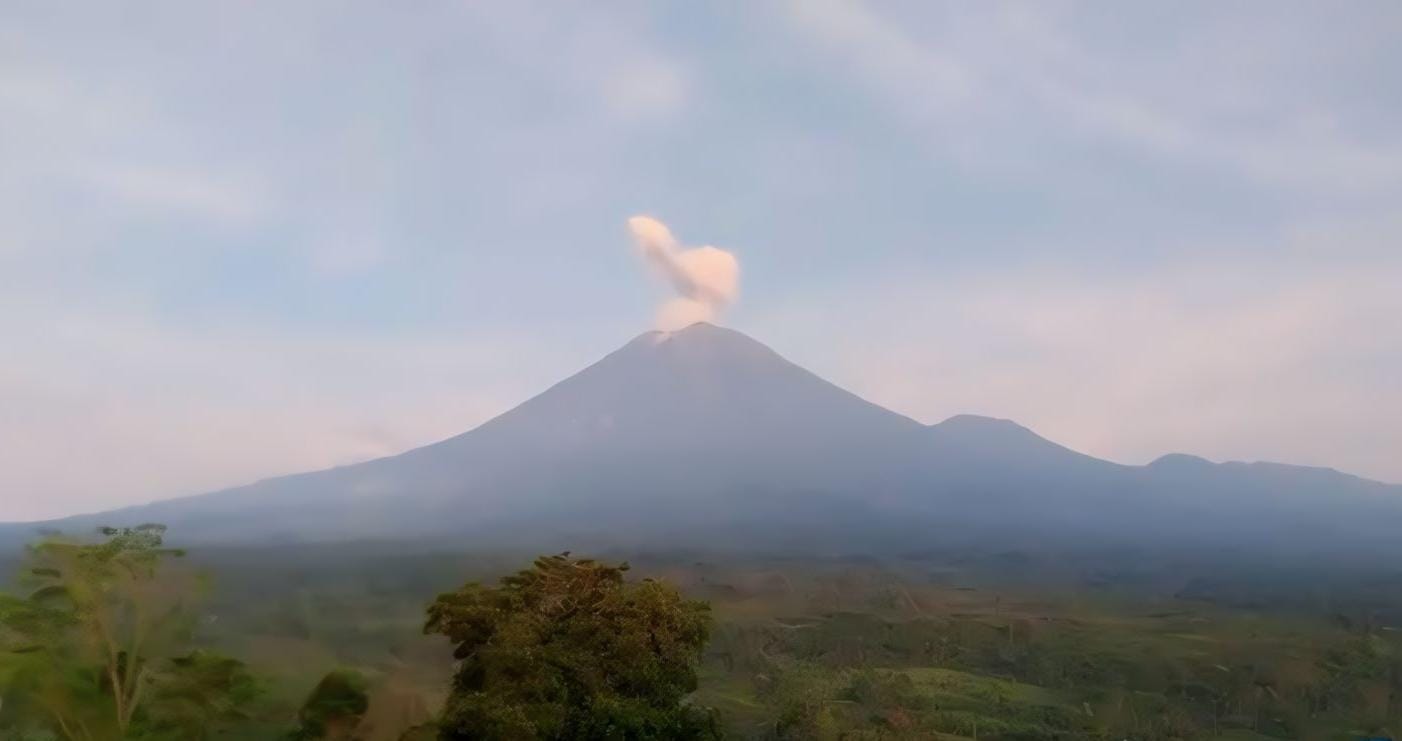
(706, 279)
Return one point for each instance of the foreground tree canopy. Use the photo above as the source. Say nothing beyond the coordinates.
(567, 649)
(98, 647)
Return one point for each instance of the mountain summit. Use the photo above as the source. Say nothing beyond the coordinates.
(704, 434)
(702, 389)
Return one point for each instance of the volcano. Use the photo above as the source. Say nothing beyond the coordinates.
(706, 436)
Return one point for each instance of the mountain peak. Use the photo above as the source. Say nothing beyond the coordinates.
(698, 382)
(700, 328)
(974, 436)
(987, 429)
(694, 332)
(1181, 461)
(980, 422)
(703, 344)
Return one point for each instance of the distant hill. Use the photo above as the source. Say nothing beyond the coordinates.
(705, 436)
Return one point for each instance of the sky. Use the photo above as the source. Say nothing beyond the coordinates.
(242, 239)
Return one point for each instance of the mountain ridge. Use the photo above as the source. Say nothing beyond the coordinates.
(706, 428)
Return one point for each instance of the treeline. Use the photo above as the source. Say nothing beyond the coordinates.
(98, 644)
(1125, 674)
(120, 637)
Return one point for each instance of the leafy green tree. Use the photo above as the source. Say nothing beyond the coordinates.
(803, 695)
(194, 697)
(334, 708)
(98, 648)
(46, 684)
(568, 650)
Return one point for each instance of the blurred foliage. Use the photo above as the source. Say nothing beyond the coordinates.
(334, 708)
(97, 648)
(196, 697)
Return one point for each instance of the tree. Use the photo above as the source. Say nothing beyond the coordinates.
(102, 635)
(568, 650)
(334, 708)
(193, 697)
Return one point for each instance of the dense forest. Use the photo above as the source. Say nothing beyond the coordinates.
(118, 636)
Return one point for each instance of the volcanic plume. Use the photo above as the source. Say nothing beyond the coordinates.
(706, 279)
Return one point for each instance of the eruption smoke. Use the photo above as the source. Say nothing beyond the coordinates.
(707, 278)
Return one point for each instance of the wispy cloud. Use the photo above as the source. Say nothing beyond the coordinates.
(925, 80)
(645, 88)
(1287, 361)
(122, 408)
(966, 73)
(176, 193)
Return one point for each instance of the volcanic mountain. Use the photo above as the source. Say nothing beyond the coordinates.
(705, 435)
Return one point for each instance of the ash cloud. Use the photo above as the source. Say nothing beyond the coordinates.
(706, 279)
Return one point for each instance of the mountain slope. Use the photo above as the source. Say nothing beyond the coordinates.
(705, 434)
(672, 424)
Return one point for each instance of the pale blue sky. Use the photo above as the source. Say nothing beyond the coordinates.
(241, 239)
